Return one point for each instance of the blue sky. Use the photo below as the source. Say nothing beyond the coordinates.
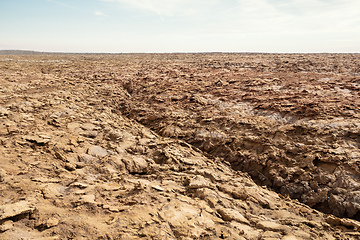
(181, 25)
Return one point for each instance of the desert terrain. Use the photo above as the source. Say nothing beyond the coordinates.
(180, 146)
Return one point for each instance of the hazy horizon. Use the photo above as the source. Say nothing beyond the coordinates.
(175, 26)
(214, 52)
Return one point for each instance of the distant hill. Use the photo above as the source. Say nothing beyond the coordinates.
(19, 52)
(29, 52)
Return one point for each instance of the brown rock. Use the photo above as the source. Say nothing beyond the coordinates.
(52, 222)
(272, 226)
(15, 209)
(136, 164)
(86, 158)
(99, 152)
(90, 199)
(90, 134)
(231, 214)
(2, 175)
(199, 182)
(70, 166)
(8, 224)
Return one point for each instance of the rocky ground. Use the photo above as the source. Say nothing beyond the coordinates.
(291, 121)
(180, 146)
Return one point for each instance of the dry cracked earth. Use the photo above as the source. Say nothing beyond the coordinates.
(180, 146)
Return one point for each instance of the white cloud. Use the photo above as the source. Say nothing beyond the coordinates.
(291, 16)
(100, 13)
(239, 17)
(276, 25)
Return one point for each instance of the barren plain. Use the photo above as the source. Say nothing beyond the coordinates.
(180, 146)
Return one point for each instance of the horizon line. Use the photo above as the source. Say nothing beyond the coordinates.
(175, 52)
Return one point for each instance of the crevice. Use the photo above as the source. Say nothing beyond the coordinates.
(249, 160)
(316, 161)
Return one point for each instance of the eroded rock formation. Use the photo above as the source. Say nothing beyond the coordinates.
(76, 165)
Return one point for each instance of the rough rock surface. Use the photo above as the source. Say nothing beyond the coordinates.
(72, 166)
(291, 121)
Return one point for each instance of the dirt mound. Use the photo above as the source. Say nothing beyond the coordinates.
(74, 167)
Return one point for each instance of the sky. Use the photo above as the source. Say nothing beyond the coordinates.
(121, 26)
